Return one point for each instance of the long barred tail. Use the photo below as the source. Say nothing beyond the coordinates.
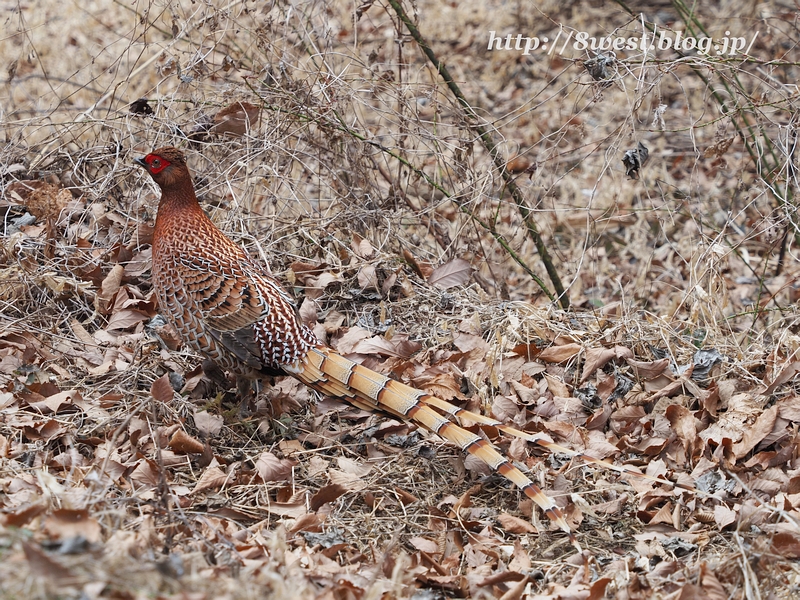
(548, 444)
(333, 375)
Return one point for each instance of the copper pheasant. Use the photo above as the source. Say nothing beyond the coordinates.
(229, 308)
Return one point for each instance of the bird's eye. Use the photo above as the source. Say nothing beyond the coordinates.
(156, 163)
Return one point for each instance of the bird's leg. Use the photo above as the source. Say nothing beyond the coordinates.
(222, 386)
(215, 374)
(247, 388)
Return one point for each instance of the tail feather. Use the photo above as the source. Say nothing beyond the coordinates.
(461, 415)
(334, 375)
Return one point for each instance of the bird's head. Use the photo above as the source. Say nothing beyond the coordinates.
(166, 166)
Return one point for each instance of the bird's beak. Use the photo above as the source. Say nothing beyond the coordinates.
(140, 162)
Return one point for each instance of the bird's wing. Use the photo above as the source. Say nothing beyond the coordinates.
(230, 298)
(224, 295)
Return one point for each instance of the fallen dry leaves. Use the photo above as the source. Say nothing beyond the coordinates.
(722, 441)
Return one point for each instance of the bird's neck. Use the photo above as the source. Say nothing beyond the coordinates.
(178, 206)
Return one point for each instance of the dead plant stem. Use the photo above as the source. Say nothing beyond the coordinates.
(494, 152)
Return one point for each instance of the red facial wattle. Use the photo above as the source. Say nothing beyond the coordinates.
(155, 163)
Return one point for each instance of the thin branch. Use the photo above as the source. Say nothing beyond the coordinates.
(497, 157)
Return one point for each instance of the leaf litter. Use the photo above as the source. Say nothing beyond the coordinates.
(192, 472)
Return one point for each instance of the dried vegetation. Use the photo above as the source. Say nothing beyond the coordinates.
(323, 141)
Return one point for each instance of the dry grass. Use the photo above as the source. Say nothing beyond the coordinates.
(699, 252)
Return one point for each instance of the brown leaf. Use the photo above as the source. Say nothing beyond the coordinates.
(349, 481)
(65, 523)
(691, 592)
(787, 545)
(212, 478)
(81, 333)
(107, 400)
(324, 280)
(556, 386)
(598, 589)
(526, 395)
(104, 299)
(308, 522)
(236, 119)
(347, 343)
(444, 386)
(291, 447)
(521, 560)
(399, 346)
(43, 199)
(361, 247)
(388, 284)
(353, 467)
(326, 494)
(45, 430)
(368, 278)
(665, 386)
(787, 373)
(422, 269)
(767, 459)
(683, 424)
(789, 408)
(518, 164)
(146, 475)
(501, 577)
(559, 354)
(612, 507)
(56, 401)
(139, 264)
(183, 443)
(724, 516)
(293, 510)
(606, 384)
(517, 591)
(515, 524)
(308, 312)
(742, 409)
(304, 270)
(712, 588)
(333, 321)
(664, 515)
(757, 432)
(351, 476)
(207, 423)
(406, 288)
(169, 336)
(41, 565)
(455, 272)
(597, 358)
(527, 351)
(649, 370)
(405, 497)
(598, 446)
(317, 466)
(425, 544)
(22, 515)
(162, 390)
(125, 319)
(6, 400)
(272, 468)
(467, 342)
